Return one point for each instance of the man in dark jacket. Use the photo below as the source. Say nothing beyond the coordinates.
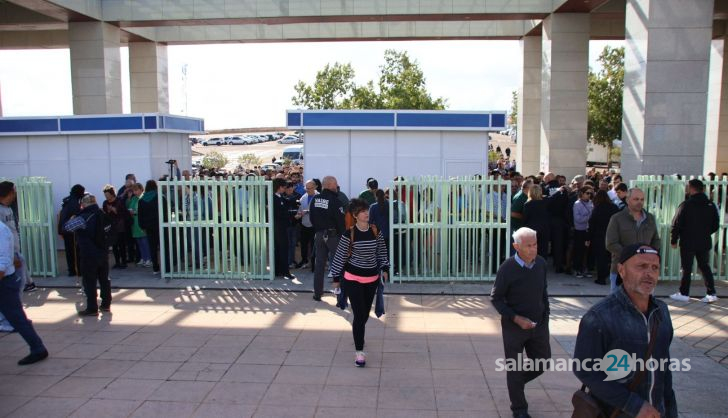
(90, 227)
(327, 217)
(624, 320)
(695, 221)
(281, 222)
(520, 296)
(69, 209)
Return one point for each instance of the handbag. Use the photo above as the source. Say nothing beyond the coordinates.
(585, 406)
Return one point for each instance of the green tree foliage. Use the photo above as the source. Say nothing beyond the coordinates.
(513, 116)
(605, 99)
(214, 161)
(249, 160)
(401, 85)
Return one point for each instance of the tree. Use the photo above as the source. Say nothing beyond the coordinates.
(331, 89)
(214, 161)
(401, 85)
(513, 116)
(249, 160)
(605, 99)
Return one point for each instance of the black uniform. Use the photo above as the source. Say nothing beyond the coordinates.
(281, 221)
(695, 221)
(327, 218)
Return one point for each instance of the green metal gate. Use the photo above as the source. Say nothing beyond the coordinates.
(216, 228)
(663, 195)
(37, 225)
(449, 229)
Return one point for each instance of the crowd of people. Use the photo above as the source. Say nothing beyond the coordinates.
(594, 224)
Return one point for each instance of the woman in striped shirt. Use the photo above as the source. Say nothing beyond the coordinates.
(360, 257)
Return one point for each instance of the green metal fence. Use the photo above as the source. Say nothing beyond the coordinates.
(449, 229)
(36, 221)
(663, 195)
(216, 228)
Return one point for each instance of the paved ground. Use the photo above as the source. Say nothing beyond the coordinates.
(179, 350)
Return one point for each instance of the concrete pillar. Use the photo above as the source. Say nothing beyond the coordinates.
(95, 67)
(665, 86)
(529, 108)
(716, 135)
(148, 77)
(565, 65)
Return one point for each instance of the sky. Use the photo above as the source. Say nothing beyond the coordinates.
(251, 85)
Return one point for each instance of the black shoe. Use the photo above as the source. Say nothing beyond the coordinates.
(30, 288)
(289, 276)
(87, 312)
(105, 308)
(33, 358)
(521, 415)
(317, 298)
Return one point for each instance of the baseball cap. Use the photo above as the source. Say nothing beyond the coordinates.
(634, 249)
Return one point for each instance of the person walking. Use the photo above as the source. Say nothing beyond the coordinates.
(633, 320)
(630, 226)
(69, 208)
(361, 255)
(520, 296)
(603, 211)
(327, 218)
(90, 228)
(9, 216)
(10, 305)
(695, 221)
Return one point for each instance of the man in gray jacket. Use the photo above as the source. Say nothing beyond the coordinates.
(629, 227)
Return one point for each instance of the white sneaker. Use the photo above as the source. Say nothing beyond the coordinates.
(709, 299)
(680, 297)
(147, 263)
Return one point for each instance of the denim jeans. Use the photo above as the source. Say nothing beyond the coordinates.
(12, 309)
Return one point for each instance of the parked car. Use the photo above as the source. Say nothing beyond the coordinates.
(236, 140)
(214, 141)
(288, 140)
(273, 167)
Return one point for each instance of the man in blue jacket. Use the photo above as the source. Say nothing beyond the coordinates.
(624, 320)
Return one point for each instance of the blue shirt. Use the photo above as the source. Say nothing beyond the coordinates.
(522, 263)
(7, 253)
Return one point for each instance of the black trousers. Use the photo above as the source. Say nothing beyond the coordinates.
(153, 237)
(74, 266)
(280, 250)
(581, 252)
(361, 296)
(536, 344)
(119, 248)
(307, 235)
(686, 261)
(602, 257)
(93, 271)
(558, 236)
(325, 243)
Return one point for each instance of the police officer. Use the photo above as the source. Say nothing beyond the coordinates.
(327, 217)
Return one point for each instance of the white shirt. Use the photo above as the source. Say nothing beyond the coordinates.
(7, 255)
(305, 205)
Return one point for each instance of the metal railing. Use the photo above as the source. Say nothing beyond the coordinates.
(37, 225)
(216, 228)
(663, 195)
(449, 229)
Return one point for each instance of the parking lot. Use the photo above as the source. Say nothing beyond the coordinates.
(265, 150)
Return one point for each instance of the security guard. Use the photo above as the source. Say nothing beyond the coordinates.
(327, 217)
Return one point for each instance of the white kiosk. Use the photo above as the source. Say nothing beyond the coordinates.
(358, 144)
(94, 150)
